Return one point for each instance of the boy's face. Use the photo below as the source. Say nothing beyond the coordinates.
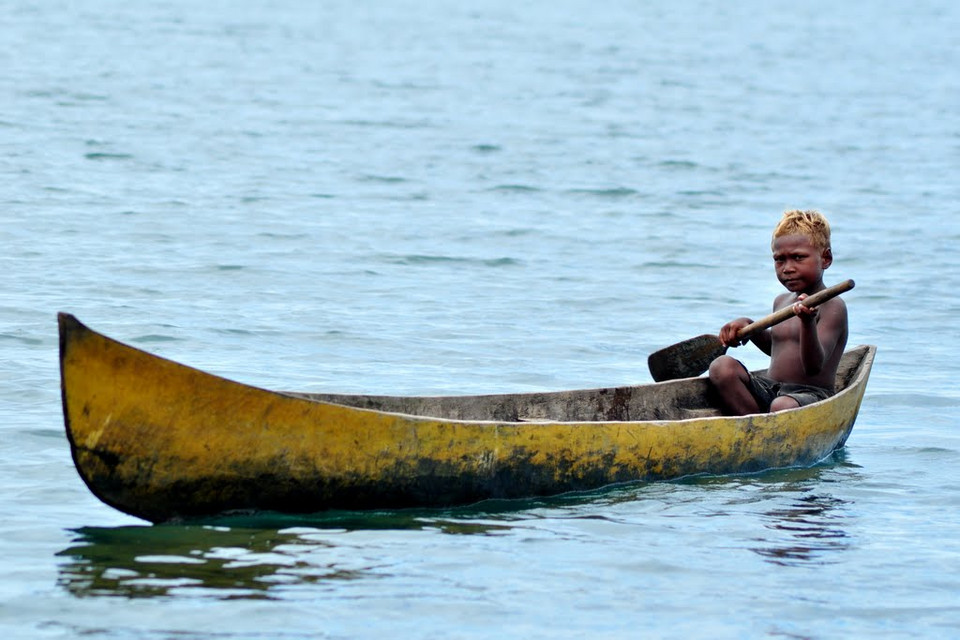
(799, 263)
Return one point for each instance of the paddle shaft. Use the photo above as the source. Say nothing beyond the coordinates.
(786, 313)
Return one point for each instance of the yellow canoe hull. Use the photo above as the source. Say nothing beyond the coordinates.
(162, 441)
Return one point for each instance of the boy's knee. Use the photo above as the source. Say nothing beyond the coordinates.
(724, 368)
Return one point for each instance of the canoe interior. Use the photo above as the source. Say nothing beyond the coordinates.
(674, 400)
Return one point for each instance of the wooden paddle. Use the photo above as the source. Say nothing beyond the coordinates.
(692, 357)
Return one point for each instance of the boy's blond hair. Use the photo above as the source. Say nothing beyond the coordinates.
(810, 223)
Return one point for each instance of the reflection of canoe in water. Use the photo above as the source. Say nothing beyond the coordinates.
(160, 440)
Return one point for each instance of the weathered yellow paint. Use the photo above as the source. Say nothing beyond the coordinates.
(160, 440)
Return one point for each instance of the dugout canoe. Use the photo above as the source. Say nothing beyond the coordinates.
(163, 441)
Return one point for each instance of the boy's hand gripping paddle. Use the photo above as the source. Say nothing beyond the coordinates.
(692, 357)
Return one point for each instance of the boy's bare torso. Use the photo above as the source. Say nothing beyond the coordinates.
(786, 363)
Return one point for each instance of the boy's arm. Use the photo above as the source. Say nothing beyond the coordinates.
(763, 340)
(819, 339)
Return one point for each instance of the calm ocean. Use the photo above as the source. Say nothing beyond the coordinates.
(418, 197)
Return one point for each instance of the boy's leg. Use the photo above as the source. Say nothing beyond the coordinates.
(792, 396)
(732, 382)
(782, 403)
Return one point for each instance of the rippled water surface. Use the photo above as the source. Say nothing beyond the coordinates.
(438, 197)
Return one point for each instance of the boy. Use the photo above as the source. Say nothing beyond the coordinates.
(804, 350)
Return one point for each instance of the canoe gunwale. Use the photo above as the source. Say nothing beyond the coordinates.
(687, 387)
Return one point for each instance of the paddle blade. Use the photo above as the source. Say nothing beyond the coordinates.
(686, 359)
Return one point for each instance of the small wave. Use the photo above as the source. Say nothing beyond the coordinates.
(700, 192)
(675, 264)
(424, 259)
(100, 155)
(501, 262)
(913, 400)
(614, 192)
(513, 233)
(486, 148)
(516, 188)
(382, 179)
(678, 164)
(275, 235)
(154, 338)
(389, 124)
(21, 339)
(234, 331)
(65, 97)
(937, 450)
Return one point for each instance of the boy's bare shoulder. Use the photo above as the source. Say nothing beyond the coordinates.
(835, 306)
(782, 300)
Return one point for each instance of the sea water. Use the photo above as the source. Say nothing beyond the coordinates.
(467, 197)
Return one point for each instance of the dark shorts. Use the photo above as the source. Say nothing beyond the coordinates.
(766, 390)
